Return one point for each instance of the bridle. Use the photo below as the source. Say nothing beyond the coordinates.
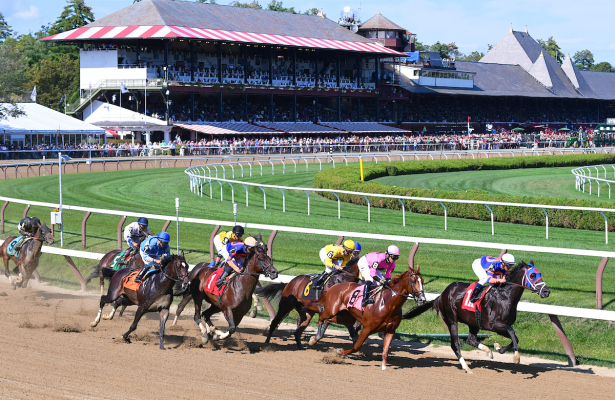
(266, 271)
(413, 293)
(179, 277)
(535, 287)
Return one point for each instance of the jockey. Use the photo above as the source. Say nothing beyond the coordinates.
(235, 254)
(370, 266)
(486, 268)
(134, 234)
(357, 250)
(153, 250)
(224, 238)
(27, 227)
(334, 257)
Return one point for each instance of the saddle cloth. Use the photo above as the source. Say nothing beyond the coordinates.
(356, 298)
(10, 249)
(467, 304)
(211, 287)
(129, 281)
(308, 292)
(115, 262)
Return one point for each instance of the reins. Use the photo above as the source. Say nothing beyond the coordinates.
(405, 295)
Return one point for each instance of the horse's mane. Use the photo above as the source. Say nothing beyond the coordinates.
(516, 269)
(397, 278)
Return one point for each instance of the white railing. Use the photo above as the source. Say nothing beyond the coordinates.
(591, 173)
(199, 177)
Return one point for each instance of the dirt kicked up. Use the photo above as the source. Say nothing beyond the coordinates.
(49, 351)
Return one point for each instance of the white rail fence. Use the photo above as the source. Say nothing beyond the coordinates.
(200, 177)
(588, 174)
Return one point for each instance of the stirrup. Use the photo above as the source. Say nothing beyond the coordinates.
(367, 302)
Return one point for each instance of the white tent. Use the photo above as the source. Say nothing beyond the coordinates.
(122, 120)
(41, 124)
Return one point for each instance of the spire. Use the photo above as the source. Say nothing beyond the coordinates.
(568, 57)
(526, 30)
(511, 29)
(542, 54)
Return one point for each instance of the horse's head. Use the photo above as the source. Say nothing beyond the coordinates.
(260, 262)
(415, 285)
(177, 269)
(46, 234)
(528, 276)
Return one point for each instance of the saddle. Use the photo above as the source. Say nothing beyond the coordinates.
(308, 292)
(475, 307)
(210, 285)
(356, 298)
(129, 280)
(10, 249)
(115, 263)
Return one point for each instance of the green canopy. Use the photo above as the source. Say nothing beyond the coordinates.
(517, 129)
(564, 129)
(424, 129)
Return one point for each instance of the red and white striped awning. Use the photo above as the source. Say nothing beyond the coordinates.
(166, 31)
(226, 128)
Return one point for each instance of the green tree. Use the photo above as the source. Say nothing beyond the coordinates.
(453, 50)
(276, 5)
(5, 29)
(552, 48)
(75, 15)
(583, 59)
(603, 67)
(206, 1)
(312, 11)
(474, 56)
(12, 80)
(441, 48)
(420, 46)
(255, 5)
(54, 78)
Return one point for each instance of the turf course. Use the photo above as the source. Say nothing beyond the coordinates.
(571, 279)
(547, 182)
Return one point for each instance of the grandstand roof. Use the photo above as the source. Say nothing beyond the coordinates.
(363, 127)
(225, 128)
(577, 80)
(602, 83)
(191, 20)
(378, 21)
(298, 127)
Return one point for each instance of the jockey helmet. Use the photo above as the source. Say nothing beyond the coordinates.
(349, 245)
(164, 237)
(238, 231)
(35, 222)
(357, 247)
(393, 250)
(143, 221)
(26, 224)
(508, 259)
(250, 241)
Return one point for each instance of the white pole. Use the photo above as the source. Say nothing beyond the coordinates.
(61, 216)
(177, 223)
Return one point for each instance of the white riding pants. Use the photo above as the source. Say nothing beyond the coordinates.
(323, 257)
(480, 272)
(365, 271)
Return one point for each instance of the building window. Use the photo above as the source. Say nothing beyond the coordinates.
(370, 34)
(391, 35)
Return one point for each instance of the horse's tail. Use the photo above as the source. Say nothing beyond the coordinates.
(270, 291)
(416, 311)
(93, 275)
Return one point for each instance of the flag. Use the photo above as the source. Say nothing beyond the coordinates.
(147, 82)
(33, 95)
(61, 100)
(123, 88)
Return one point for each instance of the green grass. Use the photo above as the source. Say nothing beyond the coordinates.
(546, 182)
(571, 279)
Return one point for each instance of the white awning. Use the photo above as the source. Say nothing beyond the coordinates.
(39, 119)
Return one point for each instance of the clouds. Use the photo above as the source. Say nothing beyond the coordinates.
(27, 13)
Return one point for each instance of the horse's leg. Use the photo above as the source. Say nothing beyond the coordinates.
(198, 301)
(180, 308)
(357, 345)
(5, 260)
(112, 295)
(455, 344)
(209, 326)
(305, 316)
(124, 305)
(473, 341)
(352, 332)
(230, 318)
(388, 337)
(322, 328)
(101, 279)
(115, 304)
(164, 315)
(509, 332)
(284, 308)
(140, 311)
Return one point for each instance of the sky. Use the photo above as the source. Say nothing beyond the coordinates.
(471, 24)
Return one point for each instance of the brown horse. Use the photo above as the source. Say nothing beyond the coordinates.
(292, 298)
(382, 316)
(154, 294)
(29, 255)
(236, 299)
(498, 314)
(102, 270)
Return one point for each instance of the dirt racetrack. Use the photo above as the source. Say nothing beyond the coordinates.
(49, 351)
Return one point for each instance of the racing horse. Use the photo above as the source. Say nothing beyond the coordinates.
(383, 316)
(498, 314)
(29, 255)
(154, 294)
(236, 298)
(293, 298)
(103, 269)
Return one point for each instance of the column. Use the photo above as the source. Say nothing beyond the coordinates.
(192, 62)
(167, 136)
(295, 73)
(246, 65)
(166, 54)
(271, 67)
(317, 74)
(148, 137)
(359, 71)
(337, 70)
(219, 49)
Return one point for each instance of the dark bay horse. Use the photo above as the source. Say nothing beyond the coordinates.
(383, 316)
(29, 255)
(499, 309)
(155, 294)
(292, 298)
(102, 270)
(236, 299)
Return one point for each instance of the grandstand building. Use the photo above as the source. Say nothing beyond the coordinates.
(187, 63)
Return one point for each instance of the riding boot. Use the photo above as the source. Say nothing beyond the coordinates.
(126, 254)
(141, 274)
(366, 296)
(478, 289)
(19, 244)
(319, 284)
(221, 281)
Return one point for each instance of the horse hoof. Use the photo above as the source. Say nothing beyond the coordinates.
(93, 324)
(162, 348)
(205, 339)
(469, 371)
(490, 354)
(259, 308)
(340, 352)
(497, 346)
(312, 341)
(517, 359)
(253, 313)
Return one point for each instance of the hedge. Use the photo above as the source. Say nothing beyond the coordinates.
(348, 178)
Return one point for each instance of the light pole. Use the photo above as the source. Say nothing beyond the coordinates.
(61, 216)
(177, 222)
(167, 98)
